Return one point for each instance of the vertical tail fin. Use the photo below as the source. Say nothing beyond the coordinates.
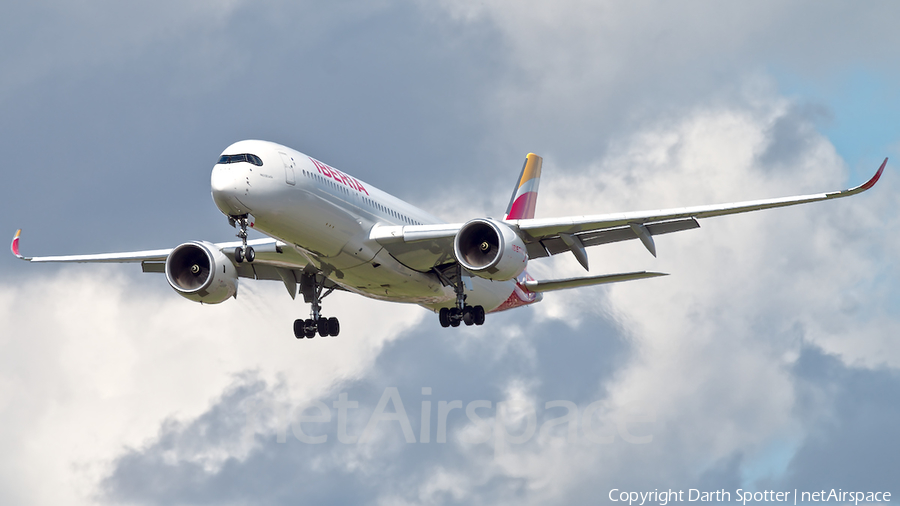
(524, 197)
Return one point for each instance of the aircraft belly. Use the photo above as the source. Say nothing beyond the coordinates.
(386, 279)
(485, 293)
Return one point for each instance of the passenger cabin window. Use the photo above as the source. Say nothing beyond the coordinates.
(244, 157)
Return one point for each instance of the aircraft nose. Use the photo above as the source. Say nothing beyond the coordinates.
(222, 179)
(228, 185)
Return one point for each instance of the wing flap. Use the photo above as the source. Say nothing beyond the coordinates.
(555, 245)
(153, 266)
(594, 238)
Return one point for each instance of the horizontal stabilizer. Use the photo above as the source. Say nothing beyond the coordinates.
(561, 284)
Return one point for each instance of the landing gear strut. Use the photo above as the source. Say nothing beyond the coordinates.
(244, 252)
(312, 290)
(451, 317)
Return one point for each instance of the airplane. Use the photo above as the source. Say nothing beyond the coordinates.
(328, 230)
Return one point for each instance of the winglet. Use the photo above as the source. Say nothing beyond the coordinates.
(870, 183)
(865, 186)
(15, 245)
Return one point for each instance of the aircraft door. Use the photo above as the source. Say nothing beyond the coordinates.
(288, 168)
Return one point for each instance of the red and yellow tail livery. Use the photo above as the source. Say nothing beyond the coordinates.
(524, 197)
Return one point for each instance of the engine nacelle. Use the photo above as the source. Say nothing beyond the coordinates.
(200, 272)
(490, 249)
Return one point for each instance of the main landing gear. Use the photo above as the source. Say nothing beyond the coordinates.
(470, 315)
(312, 289)
(244, 252)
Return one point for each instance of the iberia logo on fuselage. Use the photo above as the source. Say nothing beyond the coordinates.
(338, 176)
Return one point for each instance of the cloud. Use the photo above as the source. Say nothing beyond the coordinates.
(856, 427)
(579, 74)
(93, 360)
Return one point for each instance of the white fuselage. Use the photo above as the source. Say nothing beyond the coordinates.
(327, 216)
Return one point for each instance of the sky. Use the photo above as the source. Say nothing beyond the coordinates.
(768, 359)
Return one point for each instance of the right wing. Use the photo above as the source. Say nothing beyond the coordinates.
(274, 260)
(131, 256)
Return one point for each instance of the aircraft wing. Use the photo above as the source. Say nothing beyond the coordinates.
(131, 256)
(424, 246)
(274, 260)
(562, 284)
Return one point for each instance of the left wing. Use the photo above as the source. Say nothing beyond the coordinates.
(561, 284)
(643, 225)
(423, 247)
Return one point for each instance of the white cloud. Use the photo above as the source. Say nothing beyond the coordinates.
(93, 361)
(717, 339)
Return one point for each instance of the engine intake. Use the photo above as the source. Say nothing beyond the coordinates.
(200, 272)
(490, 249)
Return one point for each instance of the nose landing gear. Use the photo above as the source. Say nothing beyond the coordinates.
(244, 252)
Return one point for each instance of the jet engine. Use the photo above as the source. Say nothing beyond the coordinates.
(200, 272)
(490, 249)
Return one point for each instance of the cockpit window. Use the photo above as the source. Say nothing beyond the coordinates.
(244, 157)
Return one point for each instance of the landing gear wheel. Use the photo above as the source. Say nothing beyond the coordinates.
(249, 254)
(468, 315)
(238, 254)
(309, 328)
(444, 317)
(299, 331)
(455, 317)
(322, 327)
(478, 312)
(312, 285)
(334, 327)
